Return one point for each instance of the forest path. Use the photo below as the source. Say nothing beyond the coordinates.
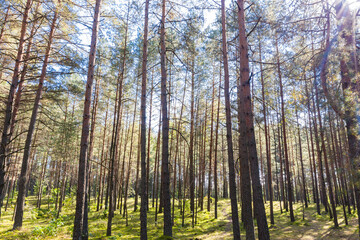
(224, 228)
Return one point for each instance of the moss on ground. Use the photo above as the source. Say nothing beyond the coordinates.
(43, 224)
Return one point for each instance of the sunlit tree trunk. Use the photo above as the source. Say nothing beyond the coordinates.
(259, 209)
(24, 174)
(82, 174)
(267, 142)
(301, 162)
(5, 136)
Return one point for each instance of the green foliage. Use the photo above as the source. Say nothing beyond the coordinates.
(49, 230)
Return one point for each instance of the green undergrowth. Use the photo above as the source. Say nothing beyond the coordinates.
(43, 223)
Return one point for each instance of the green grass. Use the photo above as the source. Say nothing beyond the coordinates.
(42, 223)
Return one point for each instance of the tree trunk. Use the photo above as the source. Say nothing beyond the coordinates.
(317, 200)
(5, 136)
(191, 146)
(211, 144)
(165, 130)
(144, 182)
(216, 148)
(283, 123)
(102, 161)
(263, 230)
(148, 146)
(232, 183)
(24, 174)
(246, 203)
(267, 142)
(82, 174)
(301, 162)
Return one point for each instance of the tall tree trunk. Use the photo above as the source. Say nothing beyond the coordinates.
(216, 148)
(24, 174)
(156, 169)
(323, 150)
(267, 142)
(232, 183)
(310, 163)
(82, 174)
(23, 74)
(259, 209)
(165, 130)
(191, 146)
(5, 136)
(211, 143)
(177, 153)
(282, 181)
(130, 155)
(148, 146)
(246, 204)
(202, 165)
(283, 123)
(313, 153)
(350, 85)
(301, 162)
(102, 161)
(144, 182)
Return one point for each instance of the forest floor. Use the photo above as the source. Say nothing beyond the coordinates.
(42, 224)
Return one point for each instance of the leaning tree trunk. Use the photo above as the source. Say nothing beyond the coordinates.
(82, 174)
(350, 85)
(24, 174)
(5, 137)
(23, 74)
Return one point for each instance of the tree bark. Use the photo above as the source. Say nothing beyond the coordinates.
(267, 142)
(24, 174)
(191, 146)
(283, 123)
(216, 148)
(232, 183)
(5, 136)
(259, 209)
(165, 129)
(144, 182)
(82, 174)
(211, 144)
